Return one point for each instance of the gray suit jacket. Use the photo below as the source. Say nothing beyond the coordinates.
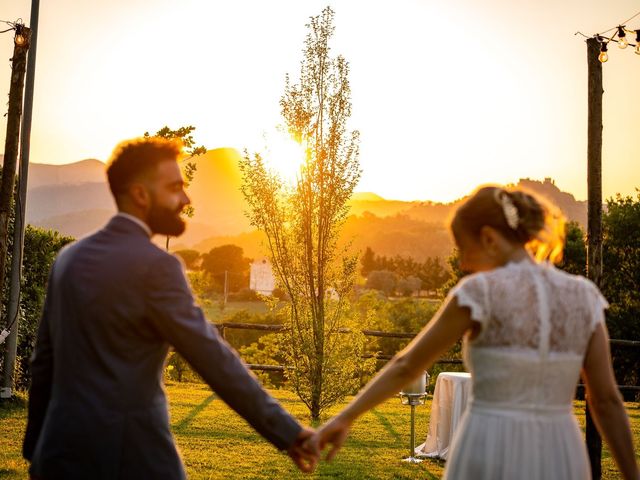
(97, 407)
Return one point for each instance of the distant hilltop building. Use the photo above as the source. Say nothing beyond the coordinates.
(261, 277)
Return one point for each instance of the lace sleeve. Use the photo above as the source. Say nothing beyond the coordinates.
(472, 292)
(596, 302)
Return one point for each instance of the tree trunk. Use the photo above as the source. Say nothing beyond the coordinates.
(316, 393)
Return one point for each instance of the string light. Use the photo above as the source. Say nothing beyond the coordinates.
(622, 36)
(21, 37)
(604, 56)
(618, 36)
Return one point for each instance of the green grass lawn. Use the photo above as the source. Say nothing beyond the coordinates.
(217, 444)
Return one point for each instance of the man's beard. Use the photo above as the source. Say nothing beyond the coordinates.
(165, 221)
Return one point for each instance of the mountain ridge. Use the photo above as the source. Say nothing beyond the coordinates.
(75, 199)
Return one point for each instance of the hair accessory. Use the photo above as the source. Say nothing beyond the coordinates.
(509, 209)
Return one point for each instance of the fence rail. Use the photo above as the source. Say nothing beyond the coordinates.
(278, 328)
(376, 333)
(369, 333)
(222, 327)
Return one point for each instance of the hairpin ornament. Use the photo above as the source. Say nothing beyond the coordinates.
(508, 208)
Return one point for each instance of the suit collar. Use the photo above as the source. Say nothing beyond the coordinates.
(125, 224)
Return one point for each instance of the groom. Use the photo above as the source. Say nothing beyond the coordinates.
(114, 305)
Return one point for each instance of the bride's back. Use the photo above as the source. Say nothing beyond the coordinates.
(536, 322)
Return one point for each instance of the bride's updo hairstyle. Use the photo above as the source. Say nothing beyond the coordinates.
(520, 216)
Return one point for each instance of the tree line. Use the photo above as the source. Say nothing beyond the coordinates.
(402, 275)
(225, 263)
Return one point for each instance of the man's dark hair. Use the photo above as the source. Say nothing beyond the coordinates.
(135, 158)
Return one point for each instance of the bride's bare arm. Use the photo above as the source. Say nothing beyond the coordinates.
(606, 403)
(447, 326)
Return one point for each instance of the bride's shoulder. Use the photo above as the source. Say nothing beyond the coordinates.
(571, 281)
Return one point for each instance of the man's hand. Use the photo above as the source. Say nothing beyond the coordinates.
(333, 432)
(303, 454)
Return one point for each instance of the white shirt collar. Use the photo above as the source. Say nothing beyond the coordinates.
(137, 221)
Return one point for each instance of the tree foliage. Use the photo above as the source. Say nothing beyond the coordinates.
(382, 280)
(190, 257)
(621, 282)
(40, 249)
(412, 275)
(574, 257)
(189, 167)
(229, 259)
(184, 134)
(456, 273)
(302, 223)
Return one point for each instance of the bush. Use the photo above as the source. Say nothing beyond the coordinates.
(40, 249)
(266, 351)
(409, 286)
(383, 281)
(179, 370)
(280, 294)
(244, 295)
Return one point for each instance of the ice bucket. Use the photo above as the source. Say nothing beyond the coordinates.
(417, 387)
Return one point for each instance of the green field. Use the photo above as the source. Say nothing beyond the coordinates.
(216, 314)
(217, 444)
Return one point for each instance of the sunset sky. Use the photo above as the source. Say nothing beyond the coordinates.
(446, 94)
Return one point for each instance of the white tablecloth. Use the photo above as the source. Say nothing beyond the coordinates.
(453, 390)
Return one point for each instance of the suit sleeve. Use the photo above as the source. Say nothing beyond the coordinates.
(41, 378)
(181, 322)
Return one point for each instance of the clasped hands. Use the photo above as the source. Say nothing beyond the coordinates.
(307, 449)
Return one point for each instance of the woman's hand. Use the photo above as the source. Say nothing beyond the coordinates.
(333, 433)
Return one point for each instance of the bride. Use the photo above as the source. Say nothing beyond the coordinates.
(529, 331)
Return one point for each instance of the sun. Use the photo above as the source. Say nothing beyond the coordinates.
(284, 156)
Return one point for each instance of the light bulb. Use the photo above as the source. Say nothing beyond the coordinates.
(622, 37)
(603, 57)
(20, 38)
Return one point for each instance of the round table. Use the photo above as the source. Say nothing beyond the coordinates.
(450, 397)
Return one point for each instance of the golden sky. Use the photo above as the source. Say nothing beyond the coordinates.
(446, 95)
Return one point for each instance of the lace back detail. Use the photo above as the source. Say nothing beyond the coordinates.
(532, 307)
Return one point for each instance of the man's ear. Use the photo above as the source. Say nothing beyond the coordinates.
(140, 195)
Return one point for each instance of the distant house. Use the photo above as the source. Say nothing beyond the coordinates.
(261, 277)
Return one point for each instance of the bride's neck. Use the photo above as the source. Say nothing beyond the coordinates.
(517, 255)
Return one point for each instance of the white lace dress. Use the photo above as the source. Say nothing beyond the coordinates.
(536, 322)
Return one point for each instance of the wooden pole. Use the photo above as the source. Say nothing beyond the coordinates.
(594, 216)
(13, 309)
(16, 91)
(226, 287)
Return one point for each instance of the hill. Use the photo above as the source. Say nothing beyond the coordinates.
(573, 209)
(414, 229)
(61, 196)
(76, 224)
(53, 201)
(84, 171)
(75, 200)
